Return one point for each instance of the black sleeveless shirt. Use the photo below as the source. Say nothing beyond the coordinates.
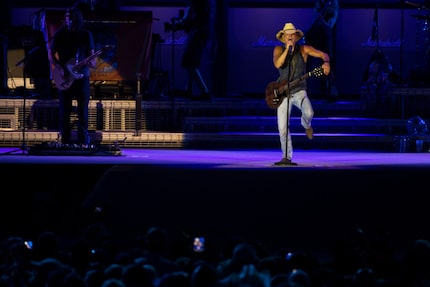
(293, 68)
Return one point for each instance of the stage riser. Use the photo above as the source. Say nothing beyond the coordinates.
(167, 115)
(237, 140)
(322, 125)
(184, 116)
(396, 102)
(198, 124)
(103, 115)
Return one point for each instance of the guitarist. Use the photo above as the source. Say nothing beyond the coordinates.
(290, 60)
(72, 43)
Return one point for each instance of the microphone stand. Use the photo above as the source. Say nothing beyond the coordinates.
(288, 114)
(138, 108)
(23, 62)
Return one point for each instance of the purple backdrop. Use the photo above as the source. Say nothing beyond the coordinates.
(251, 35)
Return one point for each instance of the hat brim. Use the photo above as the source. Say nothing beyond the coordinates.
(280, 34)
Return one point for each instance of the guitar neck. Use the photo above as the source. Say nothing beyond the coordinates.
(83, 62)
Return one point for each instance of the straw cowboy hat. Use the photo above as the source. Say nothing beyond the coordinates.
(289, 28)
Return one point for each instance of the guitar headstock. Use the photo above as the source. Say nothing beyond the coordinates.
(317, 72)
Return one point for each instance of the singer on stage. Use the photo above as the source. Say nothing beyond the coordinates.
(290, 60)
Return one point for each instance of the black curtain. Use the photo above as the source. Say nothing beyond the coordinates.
(4, 23)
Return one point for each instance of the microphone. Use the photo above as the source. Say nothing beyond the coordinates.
(289, 54)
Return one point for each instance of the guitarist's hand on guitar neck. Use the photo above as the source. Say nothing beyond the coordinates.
(91, 60)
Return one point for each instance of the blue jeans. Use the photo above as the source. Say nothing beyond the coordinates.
(301, 101)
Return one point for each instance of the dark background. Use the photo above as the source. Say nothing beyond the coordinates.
(229, 71)
(243, 3)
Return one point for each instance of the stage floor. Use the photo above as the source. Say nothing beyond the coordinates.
(221, 194)
(229, 159)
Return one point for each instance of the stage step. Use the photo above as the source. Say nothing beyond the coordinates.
(218, 123)
(268, 124)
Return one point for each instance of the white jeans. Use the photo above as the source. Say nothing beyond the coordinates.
(302, 102)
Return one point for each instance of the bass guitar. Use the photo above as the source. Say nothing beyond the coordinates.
(72, 69)
(277, 91)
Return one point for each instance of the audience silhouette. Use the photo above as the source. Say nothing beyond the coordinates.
(367, 259)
